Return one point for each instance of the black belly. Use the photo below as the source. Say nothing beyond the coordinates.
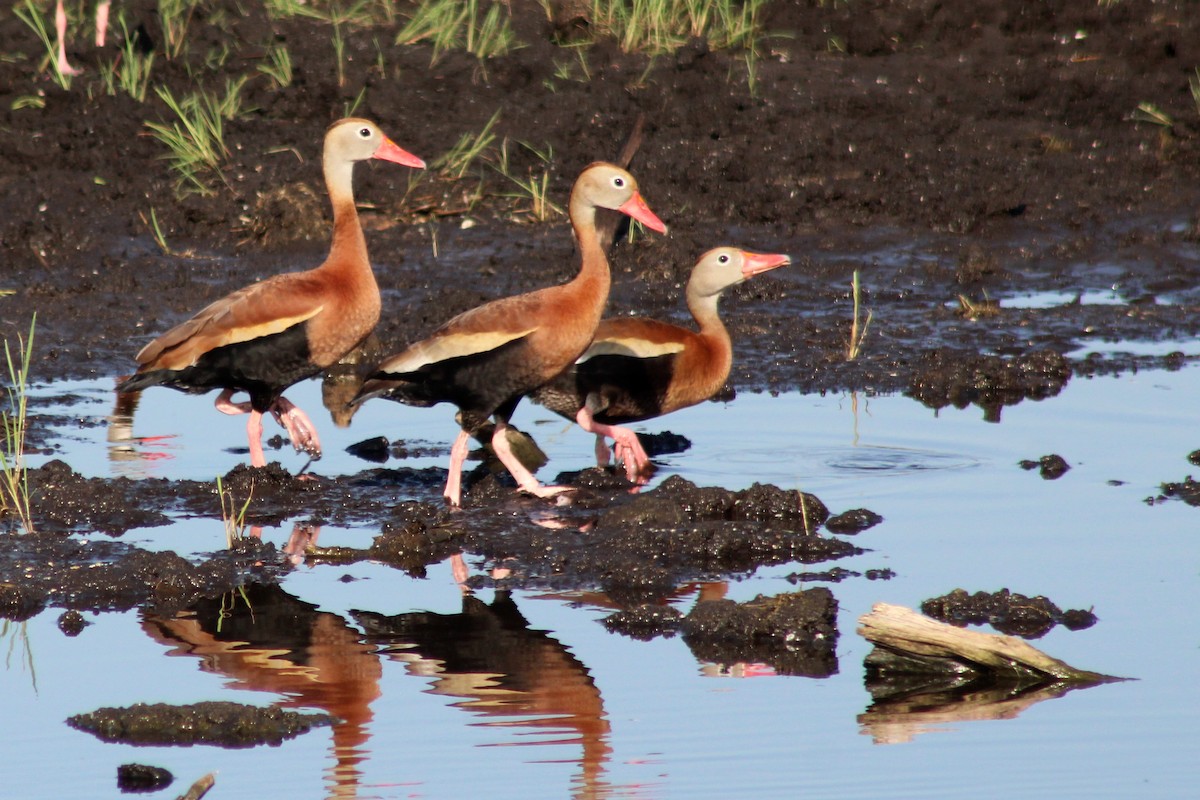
(630, 389)
(481, 385)
(262, 367)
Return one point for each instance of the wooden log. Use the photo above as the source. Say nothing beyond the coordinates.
(200, 787)
(905, 631)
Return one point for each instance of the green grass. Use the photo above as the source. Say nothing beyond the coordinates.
(278, 66)
(175, 16)
(196, 138)
(14, 478)
(130, 70)
(656, 27)
(480, 27)
(233, 517)
(531, 188)
(458, 159)
(857, 332)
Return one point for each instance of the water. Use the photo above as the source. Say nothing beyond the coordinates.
(638, 719)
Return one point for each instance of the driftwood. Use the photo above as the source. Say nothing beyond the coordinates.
(200, 787)
(925, 675)
(904, 630)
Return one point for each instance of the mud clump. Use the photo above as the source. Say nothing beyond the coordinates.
(853, 521)
(1008, 612)
(794, 633)
(232, 725)
(143, 778)
(1051, 467)
(62, 499)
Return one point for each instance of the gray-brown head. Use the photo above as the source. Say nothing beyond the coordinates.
(604, 185)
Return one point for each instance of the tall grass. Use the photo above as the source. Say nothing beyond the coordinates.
(14, 478)
(662, 26)
(196, 138)
(533, 187)
(469, 147)
(461, 25)
(130, 70)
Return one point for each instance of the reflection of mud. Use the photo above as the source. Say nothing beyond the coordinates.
(795, 633)
(264, 639)
(1008, 612)
(504, 672)
(943, 379)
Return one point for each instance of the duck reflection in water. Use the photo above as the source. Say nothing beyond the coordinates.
(504, 671)
(270, 641)
(266, 640)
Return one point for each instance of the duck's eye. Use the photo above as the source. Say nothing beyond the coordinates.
(723, 258)
(364, 133)
(618, 181)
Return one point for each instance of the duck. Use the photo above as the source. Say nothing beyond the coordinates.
(637, 368)
(265, 337)
(488, 358)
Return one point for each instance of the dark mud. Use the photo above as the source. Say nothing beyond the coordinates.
(957, 153)
(231, 725)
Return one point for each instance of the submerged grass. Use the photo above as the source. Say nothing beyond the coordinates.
(14, 478)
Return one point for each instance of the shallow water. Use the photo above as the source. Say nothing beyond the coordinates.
(649, 721)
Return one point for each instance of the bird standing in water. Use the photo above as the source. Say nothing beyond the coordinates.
(274, 333)
(486, 359)
(638, 368)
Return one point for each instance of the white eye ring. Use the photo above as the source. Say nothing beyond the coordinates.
(618, 182)
(723, 258)
(364, 133)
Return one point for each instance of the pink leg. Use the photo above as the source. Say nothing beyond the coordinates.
(60, 27)
(458, 454)
(524, 478)
(300, 428)
(254, 426)
(254, 430)
(602, 454)
(627, 447)
(226, 406)
(101, 22)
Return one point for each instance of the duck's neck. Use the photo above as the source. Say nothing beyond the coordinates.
(594, 279)
(712, 329)
(348, 250)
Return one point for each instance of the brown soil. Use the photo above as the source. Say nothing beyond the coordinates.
(944, 149)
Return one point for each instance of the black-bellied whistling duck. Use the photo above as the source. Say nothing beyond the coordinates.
(638, 368)
(486, 359)
(271, 334)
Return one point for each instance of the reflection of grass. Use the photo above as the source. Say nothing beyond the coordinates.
(28, 13)
(14, 478)
(18, 635)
